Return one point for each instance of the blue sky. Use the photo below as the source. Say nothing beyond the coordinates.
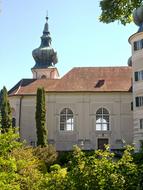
(77, 35)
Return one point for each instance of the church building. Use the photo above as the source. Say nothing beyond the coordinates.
(88, 106)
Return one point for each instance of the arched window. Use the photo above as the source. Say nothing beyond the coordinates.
(13, 117)
(13, 122)
(102, 119)
(43, 77)
(66, 120)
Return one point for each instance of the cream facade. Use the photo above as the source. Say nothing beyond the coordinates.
(137, 83)
(84, 107)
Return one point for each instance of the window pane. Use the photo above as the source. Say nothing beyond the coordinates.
(136, 76)
(141, 75)
(62, 126)
(99, 111)
(104, 127)
(98, 116)
(135, 45)
(141, 123)
(69, 111)
(102, 119)
(137, 101)
(63, 118)
(99, 120)
(63, 111)
(106, 118)
(105, 111)
(69, 127)
(98, 127)
(66, 120)
(69, 116)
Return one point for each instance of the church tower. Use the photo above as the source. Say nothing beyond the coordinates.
(45, 57)
(136, 41)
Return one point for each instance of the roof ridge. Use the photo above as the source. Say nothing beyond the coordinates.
(103, 67)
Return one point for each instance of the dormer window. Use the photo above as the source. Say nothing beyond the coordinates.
(99, 83)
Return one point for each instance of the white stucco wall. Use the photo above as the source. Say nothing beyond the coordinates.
(137, 65)
(84, 107)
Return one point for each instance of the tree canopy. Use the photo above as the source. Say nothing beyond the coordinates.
(22, 169)
(5, 109)
(40, 117)
(118, 10)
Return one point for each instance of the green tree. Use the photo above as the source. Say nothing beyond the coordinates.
(19, 168)
(5, 109)
(46, 154)
(120, 10)
(56, 179)
(8, 168)
(100, 171)
(40, 116)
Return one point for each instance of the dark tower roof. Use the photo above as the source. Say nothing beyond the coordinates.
(138, 18)
(45, 56)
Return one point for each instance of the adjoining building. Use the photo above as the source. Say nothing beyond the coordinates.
(88, 106)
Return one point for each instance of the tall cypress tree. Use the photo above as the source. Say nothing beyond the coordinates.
(5, 109)
(40, 117)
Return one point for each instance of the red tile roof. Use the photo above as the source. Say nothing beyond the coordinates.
(85, 79)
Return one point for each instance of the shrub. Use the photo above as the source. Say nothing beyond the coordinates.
(46, 154)
(55, 167)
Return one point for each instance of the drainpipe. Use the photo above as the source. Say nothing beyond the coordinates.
(20, 108)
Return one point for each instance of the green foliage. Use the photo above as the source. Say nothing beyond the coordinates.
(120, 10)
(128, 169)
(8, 142)
(64, 157)
(29, 168)
(138, 160)
(23, 168)
(40, 116)
(101, 172)
(6, 115)
(55, 167)
(55, 180)
(46, 154)
(8, 168)
(19, 168)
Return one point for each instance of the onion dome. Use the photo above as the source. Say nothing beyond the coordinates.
(138, 18)
(45, 56)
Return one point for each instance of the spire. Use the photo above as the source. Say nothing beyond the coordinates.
(46, 27)
(45, 56)
(45, 38)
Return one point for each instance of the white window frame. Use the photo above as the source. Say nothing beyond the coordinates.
(101, 123)
(138, 45)
(66, 120)
(139, 75)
